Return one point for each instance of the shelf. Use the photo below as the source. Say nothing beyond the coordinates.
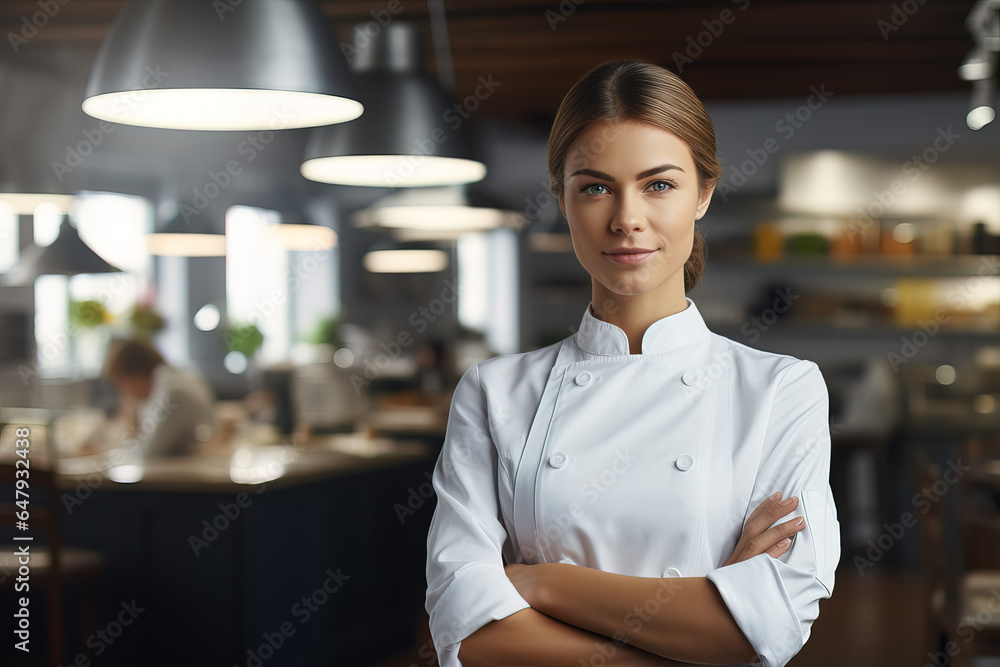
(963, 265)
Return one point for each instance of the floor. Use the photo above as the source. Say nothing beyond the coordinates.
(874, 620)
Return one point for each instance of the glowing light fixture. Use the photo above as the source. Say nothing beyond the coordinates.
(446, 210)
(196, 65)
(981, 111)
(180, 238)
(408, 136)
(405, 260)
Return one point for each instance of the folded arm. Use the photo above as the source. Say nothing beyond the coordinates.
(529, 637)
(684, 619)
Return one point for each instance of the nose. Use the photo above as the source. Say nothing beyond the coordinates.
(628, 216)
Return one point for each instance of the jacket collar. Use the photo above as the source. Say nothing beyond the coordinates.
(662, 336)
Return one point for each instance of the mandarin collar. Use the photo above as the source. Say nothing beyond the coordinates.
(662, 336)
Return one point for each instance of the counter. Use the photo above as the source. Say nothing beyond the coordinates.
(269, 555)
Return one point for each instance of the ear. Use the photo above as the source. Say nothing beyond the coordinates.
(562, 207)
(704, 201)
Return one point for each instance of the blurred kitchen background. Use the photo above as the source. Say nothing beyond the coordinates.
(857, 224)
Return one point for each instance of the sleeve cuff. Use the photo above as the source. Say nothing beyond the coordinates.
(477, 594)
(755, 593)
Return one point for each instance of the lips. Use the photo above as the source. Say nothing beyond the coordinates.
(630, 255)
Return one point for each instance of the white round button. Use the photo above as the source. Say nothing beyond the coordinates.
(684, 462)
(583, 378)
(672, 572)
(690, 378)
(558, 460)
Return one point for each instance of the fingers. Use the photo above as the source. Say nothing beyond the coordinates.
(779, 548)
(772, 541)
(767, 502)
(768, 513)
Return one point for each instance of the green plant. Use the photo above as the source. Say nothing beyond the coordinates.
(88, 314)
(325, 332)
(245, 338)
(146, 322)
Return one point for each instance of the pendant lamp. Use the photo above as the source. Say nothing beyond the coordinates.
(22, 192)
(410, 135)
(181, 238)
(386, 256)
(200, 65)
(444, 209)
(294, 232)
(67, 255)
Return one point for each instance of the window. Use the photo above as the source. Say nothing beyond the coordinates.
(113, 226)
(284, 293)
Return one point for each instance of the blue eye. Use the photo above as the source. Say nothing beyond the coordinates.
(667, 185)
(587, 186)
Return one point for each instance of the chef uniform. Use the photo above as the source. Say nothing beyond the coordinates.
(178, 412)
(639, 464)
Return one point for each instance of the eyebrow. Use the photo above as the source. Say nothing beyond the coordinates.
(641, 175)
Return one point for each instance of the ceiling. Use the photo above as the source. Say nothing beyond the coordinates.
(536, 49)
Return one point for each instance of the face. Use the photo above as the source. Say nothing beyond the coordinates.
(632, 185)
(134, 386)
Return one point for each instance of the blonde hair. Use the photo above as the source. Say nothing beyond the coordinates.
(636, 90)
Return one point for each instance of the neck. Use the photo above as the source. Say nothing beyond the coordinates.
(633, 313)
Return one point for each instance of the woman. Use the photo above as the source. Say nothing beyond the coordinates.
(169, 409)
(628, 475)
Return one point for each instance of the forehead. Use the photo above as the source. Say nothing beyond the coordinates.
(627, 145)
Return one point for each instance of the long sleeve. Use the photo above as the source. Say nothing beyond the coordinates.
(170, 418)
(466, 583)
(776, 600)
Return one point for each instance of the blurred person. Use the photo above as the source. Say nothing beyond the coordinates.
(626, 483)
(167, 409)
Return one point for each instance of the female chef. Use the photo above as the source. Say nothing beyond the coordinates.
(168, 409)
(629, 475)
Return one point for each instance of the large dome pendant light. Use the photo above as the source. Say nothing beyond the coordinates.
(407, 136)
(198, 65)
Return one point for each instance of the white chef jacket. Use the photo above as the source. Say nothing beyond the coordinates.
(639, 464)
(177, 413)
